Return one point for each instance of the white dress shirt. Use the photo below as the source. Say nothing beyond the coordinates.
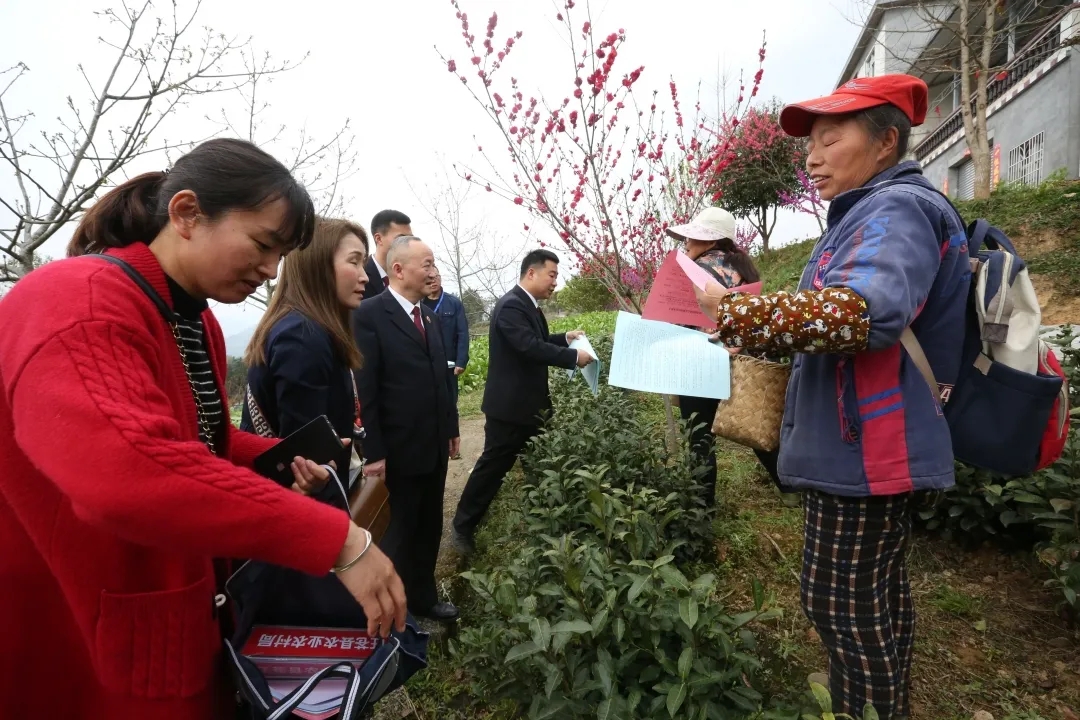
(382, 273)
(404, 302)
(535, 303)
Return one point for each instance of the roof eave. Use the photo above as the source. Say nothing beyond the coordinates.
(872, 22)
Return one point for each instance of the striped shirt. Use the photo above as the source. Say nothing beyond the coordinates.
(193, 339)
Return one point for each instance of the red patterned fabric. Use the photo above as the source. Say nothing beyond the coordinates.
(111, 510)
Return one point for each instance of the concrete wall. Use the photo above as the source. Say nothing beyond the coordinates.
(906, 33)
(936, 113)
(1051, 106)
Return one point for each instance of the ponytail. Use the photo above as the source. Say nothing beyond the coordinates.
(225, 174)
(739, 260)
(124, 215)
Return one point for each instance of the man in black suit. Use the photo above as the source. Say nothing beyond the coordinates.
(410, 420)
(520, 350)
(385, 227)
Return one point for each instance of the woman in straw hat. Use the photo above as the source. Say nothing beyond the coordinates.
(862, 430)
(709, 240)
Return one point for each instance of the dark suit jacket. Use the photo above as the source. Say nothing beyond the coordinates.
(520, 351)
(454, 327)
(302, 379)
(375, 285)
(404, 388)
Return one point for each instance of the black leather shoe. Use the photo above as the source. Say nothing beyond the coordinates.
(444, 612)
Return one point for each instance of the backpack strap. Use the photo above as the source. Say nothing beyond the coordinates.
(915, 352)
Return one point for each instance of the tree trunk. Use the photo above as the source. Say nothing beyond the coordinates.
(762, 227)
(980, 158)
(977, 68)
(672, 425)
(980, 153)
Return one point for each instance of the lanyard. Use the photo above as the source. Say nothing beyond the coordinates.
(442, 297)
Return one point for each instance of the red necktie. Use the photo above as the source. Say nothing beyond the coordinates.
(416, 321)
(386, 281)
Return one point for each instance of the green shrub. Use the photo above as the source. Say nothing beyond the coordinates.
(607, 434)
(595, 615)
(475, 374)
(595, 325)
(585, 294)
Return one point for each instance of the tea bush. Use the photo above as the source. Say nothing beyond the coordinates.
(1041, 510)
(595, 615)
(608, 433)
(475, 374)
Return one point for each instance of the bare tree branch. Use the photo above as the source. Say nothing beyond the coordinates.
(155, 71)
(972, 41)
(323, 165)
(467, 251)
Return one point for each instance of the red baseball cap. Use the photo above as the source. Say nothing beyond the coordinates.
(904, 91)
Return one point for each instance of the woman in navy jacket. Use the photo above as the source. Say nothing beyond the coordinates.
(301, 357)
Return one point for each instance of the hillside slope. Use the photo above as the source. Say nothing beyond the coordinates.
(1043, 222)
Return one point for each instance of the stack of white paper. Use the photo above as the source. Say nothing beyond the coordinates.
(590, 372)
(659, 357)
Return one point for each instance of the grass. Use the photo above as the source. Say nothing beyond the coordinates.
(1061, 265)
(958, 603)
(781, 268)
(469, 403)
(1043, 221)
(1018, 209)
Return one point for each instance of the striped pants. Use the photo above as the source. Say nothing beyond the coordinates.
(855, 591)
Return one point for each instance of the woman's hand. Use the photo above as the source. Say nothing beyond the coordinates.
(715, 338)
(375, 469)
(710, 298)
(310, 477)
(373, 583)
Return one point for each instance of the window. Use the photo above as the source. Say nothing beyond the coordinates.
(1026, 162)
(965, 176)
(870, 65)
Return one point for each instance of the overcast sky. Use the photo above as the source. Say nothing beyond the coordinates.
(375, 63)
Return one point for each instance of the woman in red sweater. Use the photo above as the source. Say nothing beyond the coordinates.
(122, 477)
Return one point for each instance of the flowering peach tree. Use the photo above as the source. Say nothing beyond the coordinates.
(600, 167)
(805, 199)
(758, 168)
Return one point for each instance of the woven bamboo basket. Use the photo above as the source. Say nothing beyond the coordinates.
(755, 410)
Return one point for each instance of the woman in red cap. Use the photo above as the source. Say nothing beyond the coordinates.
(862, 429)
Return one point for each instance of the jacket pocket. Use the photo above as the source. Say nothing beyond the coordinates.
(158, 645)
(846, 401)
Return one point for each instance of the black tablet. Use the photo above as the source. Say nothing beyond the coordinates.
(316, 441)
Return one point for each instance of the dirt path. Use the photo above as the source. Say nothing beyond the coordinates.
(472, 444)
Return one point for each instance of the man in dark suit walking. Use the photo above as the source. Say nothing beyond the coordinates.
(410, 420)
(520, 350)
(385, 227)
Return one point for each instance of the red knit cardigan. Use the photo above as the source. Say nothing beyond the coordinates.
(111, 510)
